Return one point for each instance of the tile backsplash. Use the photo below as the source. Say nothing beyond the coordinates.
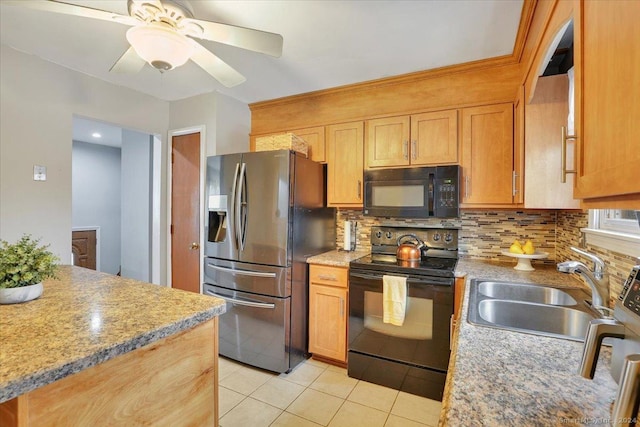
(485, 234)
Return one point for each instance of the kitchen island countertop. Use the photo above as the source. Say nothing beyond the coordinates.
(502, 378)
(85, 318)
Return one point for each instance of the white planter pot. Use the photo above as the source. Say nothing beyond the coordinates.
(22, 294)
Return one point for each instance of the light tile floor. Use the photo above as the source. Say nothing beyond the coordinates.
(315, 394)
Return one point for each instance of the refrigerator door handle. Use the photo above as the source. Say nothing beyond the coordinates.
(240, 216)
(233, 207)
(241, 301)
(242, 272)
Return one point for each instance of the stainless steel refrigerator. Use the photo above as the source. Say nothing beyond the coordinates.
(265, 217)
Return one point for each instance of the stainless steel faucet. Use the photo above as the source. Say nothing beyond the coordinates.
(597, 280)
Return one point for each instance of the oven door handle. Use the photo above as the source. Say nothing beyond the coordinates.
(410, 279)
(367, 276)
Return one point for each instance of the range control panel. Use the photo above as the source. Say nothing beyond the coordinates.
(384, 239)
(630, 295)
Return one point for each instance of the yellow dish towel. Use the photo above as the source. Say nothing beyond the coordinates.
(394, 299)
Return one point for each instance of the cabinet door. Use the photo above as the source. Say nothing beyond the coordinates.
(544, 117)
(387, 142)
(607, 88)
(345, 164)
(315, 139)
(434, 138)
(487, 155)
(328, 322)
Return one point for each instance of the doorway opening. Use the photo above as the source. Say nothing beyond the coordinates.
(115, 192)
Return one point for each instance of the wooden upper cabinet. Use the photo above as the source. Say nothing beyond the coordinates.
(315, 139)
(345, 160)
(607, 111)
(416, 140)
(544, 117)
(434, 138)
(487, 155)
(387, 142)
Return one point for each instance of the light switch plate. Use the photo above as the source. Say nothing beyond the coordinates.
(39, 173)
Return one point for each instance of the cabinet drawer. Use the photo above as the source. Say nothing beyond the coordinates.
(326, 275)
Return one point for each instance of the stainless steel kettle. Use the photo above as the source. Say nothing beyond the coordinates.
(407, 250)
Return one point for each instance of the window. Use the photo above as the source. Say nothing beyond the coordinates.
(619, 220)
(615, 229)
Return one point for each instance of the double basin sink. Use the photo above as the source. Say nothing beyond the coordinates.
(534, 309)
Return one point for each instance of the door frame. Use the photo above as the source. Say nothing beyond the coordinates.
(97, 230)
(203, 165)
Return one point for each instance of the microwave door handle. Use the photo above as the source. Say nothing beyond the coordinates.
(432, 206)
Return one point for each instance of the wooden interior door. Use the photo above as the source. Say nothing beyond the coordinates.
(185, 212)
(83, 247)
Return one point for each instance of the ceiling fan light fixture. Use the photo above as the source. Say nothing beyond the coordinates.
(160, 46)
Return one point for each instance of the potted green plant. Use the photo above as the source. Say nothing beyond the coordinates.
(23, 267)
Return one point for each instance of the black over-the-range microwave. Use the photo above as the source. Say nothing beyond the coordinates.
(420, 192)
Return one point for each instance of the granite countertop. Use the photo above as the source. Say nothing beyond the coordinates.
(337, 258)
(503, 378)
(85, 318)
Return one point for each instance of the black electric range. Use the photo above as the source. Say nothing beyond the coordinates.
(413, 355)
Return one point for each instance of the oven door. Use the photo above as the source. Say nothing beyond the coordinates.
(422, 340)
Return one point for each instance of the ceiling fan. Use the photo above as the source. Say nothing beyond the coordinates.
(162, 34)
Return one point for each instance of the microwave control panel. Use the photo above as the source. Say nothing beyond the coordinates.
(447, 191)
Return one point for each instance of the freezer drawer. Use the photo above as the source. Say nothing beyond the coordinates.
(245, 277)
(255, 328)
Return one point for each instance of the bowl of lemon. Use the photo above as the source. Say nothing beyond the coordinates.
(524, 254)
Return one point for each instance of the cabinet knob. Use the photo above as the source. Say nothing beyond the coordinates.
(195, 246)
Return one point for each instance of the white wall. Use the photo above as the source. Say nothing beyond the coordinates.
(37, 102)
(227, 121)
(96, 197)
(136, 205)
(233, 125)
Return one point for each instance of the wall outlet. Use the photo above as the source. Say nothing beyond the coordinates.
(39, 173)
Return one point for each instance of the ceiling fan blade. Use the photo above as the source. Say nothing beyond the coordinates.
(215, 66)
(75, 10)
(245, 38)
(129, 63)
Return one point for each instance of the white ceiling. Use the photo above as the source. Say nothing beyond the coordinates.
(326, 43)
(84, 130)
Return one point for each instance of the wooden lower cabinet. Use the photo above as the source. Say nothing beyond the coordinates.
(328, 312)
(172, 382)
